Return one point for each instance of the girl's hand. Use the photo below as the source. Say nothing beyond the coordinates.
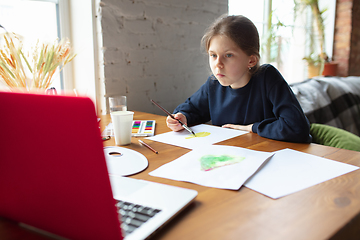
(175, 125)
(239, 127)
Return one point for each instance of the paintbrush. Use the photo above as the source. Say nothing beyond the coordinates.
(170, 115)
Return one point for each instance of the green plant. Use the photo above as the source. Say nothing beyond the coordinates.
(313, 59)
(271, 38)
(319, 56)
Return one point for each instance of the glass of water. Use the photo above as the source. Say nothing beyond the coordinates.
(117, 103)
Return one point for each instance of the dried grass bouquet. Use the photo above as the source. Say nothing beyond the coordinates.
(45, 60)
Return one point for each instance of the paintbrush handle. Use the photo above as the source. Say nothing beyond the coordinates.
(166, 111)
(170, 115)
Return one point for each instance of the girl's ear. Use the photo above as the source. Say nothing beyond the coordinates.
(252, 61)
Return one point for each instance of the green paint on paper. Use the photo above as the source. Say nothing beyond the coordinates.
(209, 162)
(200, 134)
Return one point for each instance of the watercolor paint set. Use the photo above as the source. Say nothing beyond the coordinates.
(143, 128)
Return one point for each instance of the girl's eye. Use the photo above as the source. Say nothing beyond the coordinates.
(213, 55)
(229, 55)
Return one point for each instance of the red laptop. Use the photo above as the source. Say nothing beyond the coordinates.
(53, 174)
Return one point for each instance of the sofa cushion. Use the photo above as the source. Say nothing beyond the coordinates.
(334, 137)
(334, 101)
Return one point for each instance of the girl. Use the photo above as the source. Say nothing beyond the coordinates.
(241, 94)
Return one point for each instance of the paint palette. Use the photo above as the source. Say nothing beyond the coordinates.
(143, 128)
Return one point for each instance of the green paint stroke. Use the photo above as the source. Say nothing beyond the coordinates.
(209, 162)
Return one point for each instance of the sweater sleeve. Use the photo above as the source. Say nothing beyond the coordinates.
(289, 122)
(196, 107)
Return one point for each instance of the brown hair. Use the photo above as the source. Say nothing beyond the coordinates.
(239, 29)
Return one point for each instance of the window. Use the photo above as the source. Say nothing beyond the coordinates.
(289, 39)
(33, 20)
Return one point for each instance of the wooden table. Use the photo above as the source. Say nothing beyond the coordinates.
(330, 210)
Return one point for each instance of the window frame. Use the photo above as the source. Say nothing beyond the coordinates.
(300, 66)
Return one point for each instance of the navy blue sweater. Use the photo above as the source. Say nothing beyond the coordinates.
(266, 101)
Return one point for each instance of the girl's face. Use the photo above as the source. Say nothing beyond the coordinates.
(229, 64)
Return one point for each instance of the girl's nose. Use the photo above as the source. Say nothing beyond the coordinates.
(219, 63)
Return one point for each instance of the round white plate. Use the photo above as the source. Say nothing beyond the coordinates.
(124, 161)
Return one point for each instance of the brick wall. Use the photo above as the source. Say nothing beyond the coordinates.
(152, 49)
(347, 37)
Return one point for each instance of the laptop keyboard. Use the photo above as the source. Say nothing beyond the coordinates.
(133, 216)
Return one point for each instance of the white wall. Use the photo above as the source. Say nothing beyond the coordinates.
(152, 49)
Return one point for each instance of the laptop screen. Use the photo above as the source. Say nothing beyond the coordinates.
(53, 174)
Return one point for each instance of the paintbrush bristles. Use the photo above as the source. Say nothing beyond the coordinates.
(46, 60)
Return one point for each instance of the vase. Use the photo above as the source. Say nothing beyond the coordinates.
(313, 70)
(330, 69)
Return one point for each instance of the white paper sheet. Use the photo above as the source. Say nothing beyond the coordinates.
(290, 171)
(108, 131)
(188, 167)
(206, 135)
